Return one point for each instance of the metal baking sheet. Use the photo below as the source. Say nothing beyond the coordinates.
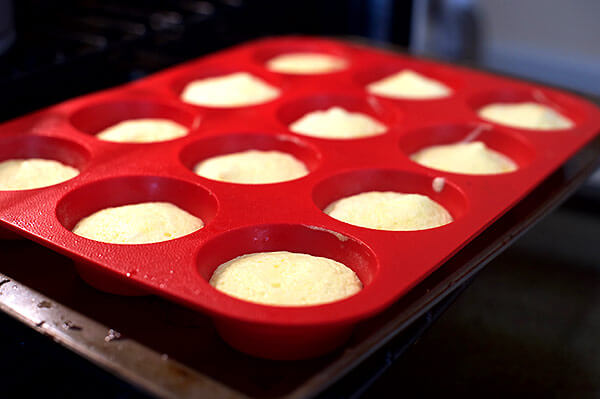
(169, 351)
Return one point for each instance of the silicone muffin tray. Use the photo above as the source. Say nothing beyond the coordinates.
(241, 219)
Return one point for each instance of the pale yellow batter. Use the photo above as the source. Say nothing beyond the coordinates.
(473, 158)
(526, 115)
(141, 223)
(146, 130)
(409, 84)
(25, 174)
(337, 123)
(306, 63)
(387, 210)
(252, 167)
(285, 278)
(234, 90)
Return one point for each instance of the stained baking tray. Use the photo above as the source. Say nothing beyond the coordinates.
(171, 352)
(115, 174)
(194, 374)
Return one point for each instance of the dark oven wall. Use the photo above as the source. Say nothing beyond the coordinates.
(66, 48)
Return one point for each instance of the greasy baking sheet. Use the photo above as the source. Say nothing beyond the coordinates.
(48, 295)
(170, 351)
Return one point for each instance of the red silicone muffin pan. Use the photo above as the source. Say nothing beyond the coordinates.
(241, 219)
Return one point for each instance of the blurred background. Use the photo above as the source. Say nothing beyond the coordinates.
(528, 323)
(51, 51)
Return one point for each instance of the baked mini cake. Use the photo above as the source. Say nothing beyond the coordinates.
(306, 63)
(388, 210)
(285, 279)
(234, 90)
(141, 223)
(143, 130)
(337, 123)
(252, 167)
(26, 174)
(472, 158)
(408, 84)
(525, 115)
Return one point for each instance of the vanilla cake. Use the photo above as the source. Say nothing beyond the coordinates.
(306, 63)
(526, 115)
(409, 84)
(234, 90)
(252, 167)
(337, 123)
(141, 223)
(285, 279)
(25, 174)
(473, 158)
(143, 130)
(389, 211)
